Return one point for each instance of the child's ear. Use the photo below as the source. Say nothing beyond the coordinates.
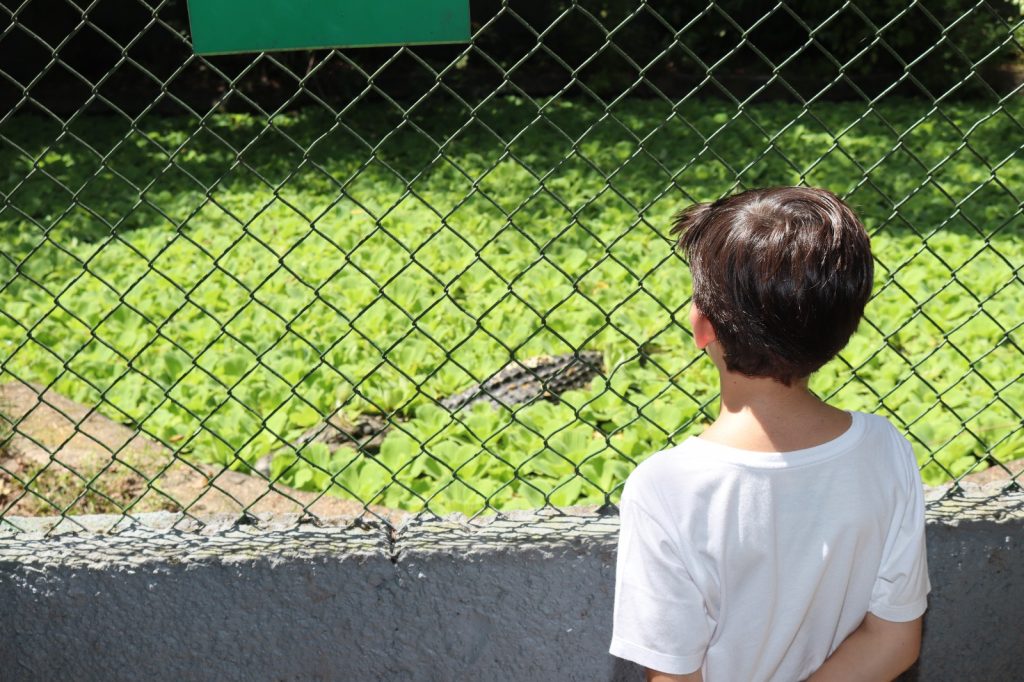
(703, 332)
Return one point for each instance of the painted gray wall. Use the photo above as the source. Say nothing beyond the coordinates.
(526, 598)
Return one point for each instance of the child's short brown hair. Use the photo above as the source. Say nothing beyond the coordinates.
(782, 273)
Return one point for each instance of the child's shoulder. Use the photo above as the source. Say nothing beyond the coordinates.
(695, 462)
(885, 432)
(678, 465)
(686, 455)
(877, 421)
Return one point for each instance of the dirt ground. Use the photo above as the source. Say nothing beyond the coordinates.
(86, 463)
(81, 462)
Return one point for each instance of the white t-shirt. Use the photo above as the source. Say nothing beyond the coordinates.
(757, 565)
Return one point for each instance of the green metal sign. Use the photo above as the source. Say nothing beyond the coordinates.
(225, 26)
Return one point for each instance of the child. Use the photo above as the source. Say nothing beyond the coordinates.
(787, 541)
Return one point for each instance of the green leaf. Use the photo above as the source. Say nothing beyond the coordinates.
(303, 477)
(568, 493)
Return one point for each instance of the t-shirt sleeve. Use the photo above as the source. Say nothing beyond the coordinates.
(659, 620)
(901, 588)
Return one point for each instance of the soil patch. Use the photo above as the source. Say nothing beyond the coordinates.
(63, 457)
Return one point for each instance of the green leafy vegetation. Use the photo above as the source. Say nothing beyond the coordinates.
(224, 285)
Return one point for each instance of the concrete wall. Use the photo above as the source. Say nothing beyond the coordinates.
(526, 598)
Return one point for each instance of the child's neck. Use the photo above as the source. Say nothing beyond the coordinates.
(764, 415)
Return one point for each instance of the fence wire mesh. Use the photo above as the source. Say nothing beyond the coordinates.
(400, 281)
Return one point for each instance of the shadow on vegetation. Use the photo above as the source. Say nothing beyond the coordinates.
(907, 167)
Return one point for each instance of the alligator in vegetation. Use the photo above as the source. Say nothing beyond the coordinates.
(520, 381)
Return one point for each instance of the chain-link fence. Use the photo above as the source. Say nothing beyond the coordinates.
(438, 279)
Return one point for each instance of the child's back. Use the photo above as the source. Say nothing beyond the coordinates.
(754, 551)
(786, 551)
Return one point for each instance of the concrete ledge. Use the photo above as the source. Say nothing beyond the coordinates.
(524, 597)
